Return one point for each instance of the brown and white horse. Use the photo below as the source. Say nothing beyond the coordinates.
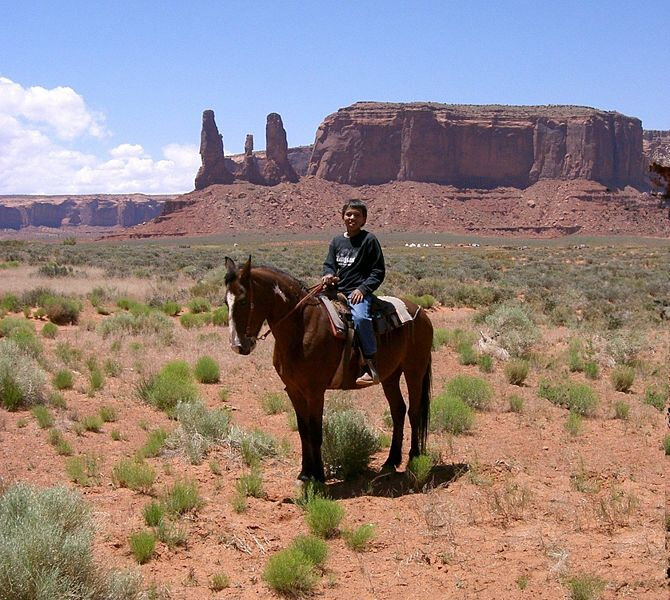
(306, 356)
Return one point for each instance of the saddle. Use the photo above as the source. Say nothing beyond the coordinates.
(388, 313)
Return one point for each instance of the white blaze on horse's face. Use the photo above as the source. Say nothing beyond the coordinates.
(239, 343)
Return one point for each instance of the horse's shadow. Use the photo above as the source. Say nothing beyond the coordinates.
(394, 484)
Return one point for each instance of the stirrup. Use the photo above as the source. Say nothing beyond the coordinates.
(366, 380)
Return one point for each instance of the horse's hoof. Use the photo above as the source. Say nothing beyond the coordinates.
(303, 478)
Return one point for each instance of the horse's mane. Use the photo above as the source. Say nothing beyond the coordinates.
(296, 285)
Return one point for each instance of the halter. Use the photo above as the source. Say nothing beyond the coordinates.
(311, 292)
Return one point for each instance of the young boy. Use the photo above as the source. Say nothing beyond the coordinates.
(355, 262)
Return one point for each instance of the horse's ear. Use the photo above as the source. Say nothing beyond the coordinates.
(246, 272)
(231, 267)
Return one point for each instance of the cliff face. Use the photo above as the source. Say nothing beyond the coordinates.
(656, 145)
(17, 212)
(477, 146)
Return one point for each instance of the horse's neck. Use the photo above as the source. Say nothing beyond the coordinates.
(281, 295)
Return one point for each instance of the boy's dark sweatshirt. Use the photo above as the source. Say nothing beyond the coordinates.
(357, 261)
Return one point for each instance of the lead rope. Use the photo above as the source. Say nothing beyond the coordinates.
(313, 291)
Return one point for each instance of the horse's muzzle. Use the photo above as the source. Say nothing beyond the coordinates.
(244, 346)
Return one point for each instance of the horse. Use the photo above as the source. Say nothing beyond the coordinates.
(306, 356)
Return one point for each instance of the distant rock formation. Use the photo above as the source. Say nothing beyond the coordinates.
(213, 169)
(656, 145)
(250, 170)
(277, 167)
(477, 146)
(298, 157)
(102, 210)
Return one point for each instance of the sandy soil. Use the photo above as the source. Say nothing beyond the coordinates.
(501, 509)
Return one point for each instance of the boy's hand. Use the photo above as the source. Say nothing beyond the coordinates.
(329, 279)
(356, 297)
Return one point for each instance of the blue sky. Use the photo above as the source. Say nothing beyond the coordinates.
(132, 78)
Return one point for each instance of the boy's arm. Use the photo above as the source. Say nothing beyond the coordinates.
(330, 264)
(377, 270)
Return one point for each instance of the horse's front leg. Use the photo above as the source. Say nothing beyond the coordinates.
(309, 415)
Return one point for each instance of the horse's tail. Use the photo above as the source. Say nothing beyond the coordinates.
(424, 417)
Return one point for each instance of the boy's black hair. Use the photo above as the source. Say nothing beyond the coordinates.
(357, 204)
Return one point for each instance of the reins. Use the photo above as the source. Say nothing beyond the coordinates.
(311, 292)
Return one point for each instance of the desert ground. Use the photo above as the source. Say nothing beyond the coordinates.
(532, 501)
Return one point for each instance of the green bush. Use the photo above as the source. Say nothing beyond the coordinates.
(585, 587)
(92, 423)
(171, 308)
(255, 445)
(43, 416)
(314, 548)
(591, 369)
(485, 363)
(622, 378)
(68, 354)
(666, 444)
(10, 303)
(152, 323)
(22, 380)
(621, 410)
(171, 535)
(474, 391)
(274, 403)
(195, 320)
(250, 484)
(50, 331)
(63, 379)
(425, 301)
(218, 582)
(46, 549)
(449, 413)
(207, 370)
(358, 539)
(154, 444)
(440, 337)
(657, 396)
(133, 474)
(514, 329)
(467, 355)
(323, 517)
(577, 397)
(290, 572)
(574, 424)
(53, 270)
(199, 305)
(108, 414)
(419, 469)
(220, 316)
(142, 545)
(182, 497)
(62, 310)
(83, 470)
(61, 445)
(112, 367)
(153, 513)
(348, 443)
(516, 404)
(170, 386)
(516, 371)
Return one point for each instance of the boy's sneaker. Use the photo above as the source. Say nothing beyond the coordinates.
(366, 379)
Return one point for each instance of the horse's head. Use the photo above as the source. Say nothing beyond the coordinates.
(244, 322)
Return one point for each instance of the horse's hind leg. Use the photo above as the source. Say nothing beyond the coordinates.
(415, 390)
(398, 409)
(309, 415)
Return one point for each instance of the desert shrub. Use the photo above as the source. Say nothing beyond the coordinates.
(182, 497)
(171, 308)
(170, 386)
(250, 484)
(585, 587)
(207, 370)
(666, 444)
(112, 367)
(485, 362)
(621, 410)
(195, 320)
(152, 323)
(290, 572)
(27, 341)
(108, 414)
(83, 470)
(516, 371)
(515, 404)
(314, 548)
(348, 443)
(657, 396)
(419, 469)
(514, 329)
(577, 397)
(46, 549)
(573, 424)
(467, 355)
(154, 444)
(50, 330)
(440, 337)
(10, 303)
(92, 423)
(68, 354)
(622, 378)
(323, 517)
(43, 416)
(199, 305)
(22, 380)
(142, 545)
(96, 380)
(474, 391)
(591, 369)
(10, 325)
(63, 379)
(199, 429)
(57, 400)
(449, 413)
(274, 403)
(358, 539)
(171, 535)
(624, 346)
(218, 582)
(153, 513)
(424, 301)
(57, 440)
(220, 316)
(54, 270)
(254, 445)
(61, 310)
(134, 474)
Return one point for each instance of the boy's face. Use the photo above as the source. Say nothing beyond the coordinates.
(353, 220)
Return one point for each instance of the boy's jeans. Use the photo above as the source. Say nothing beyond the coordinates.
(363, 323)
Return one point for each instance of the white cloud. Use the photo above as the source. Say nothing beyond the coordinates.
(39, 132)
